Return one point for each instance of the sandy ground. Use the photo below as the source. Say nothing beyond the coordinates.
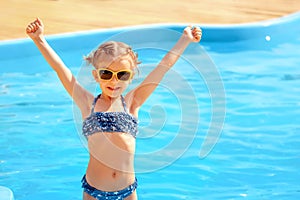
(61, 16)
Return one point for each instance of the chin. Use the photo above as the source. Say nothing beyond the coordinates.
(113, 93)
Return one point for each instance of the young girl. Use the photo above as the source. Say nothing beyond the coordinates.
(110, 120)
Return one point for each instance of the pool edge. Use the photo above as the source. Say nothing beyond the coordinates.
(293, 18)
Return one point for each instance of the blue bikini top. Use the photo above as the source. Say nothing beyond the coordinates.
(110, 121)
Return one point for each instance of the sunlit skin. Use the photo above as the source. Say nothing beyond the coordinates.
(111, 163)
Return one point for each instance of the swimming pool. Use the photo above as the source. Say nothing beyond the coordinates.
(252, 70)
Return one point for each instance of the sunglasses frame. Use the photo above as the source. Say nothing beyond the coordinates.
(114, 74)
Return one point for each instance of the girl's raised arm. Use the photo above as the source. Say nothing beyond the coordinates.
(140, 94)
(81, 97)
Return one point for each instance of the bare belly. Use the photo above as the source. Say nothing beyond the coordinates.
(111, 164)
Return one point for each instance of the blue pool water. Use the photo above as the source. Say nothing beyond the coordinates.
(244, 79)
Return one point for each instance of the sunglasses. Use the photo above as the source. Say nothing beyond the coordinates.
(122, 75)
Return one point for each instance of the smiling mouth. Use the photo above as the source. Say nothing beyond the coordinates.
(113, 88)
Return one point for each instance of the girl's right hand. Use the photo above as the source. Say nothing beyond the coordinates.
(35, 29)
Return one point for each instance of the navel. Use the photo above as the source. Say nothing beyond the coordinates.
(114, 174)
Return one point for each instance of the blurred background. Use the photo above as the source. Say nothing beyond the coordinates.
(61, 16)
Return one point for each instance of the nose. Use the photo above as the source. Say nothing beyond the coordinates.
(114, 78)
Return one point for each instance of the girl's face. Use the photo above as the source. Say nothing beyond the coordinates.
(114, 87)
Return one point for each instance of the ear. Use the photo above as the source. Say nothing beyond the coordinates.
(95, 75)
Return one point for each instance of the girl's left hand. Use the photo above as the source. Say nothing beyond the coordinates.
(193, 33)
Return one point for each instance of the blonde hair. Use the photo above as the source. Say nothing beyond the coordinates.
(107, 52)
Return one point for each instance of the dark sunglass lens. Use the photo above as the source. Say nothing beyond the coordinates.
(105, 74)
(124, 75)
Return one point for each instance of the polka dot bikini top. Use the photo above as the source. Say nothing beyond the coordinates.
(110, 121)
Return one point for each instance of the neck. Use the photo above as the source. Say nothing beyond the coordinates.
(109, 98)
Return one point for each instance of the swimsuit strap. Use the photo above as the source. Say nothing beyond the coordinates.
(94, 103)
(124, 104)
(96, 98)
